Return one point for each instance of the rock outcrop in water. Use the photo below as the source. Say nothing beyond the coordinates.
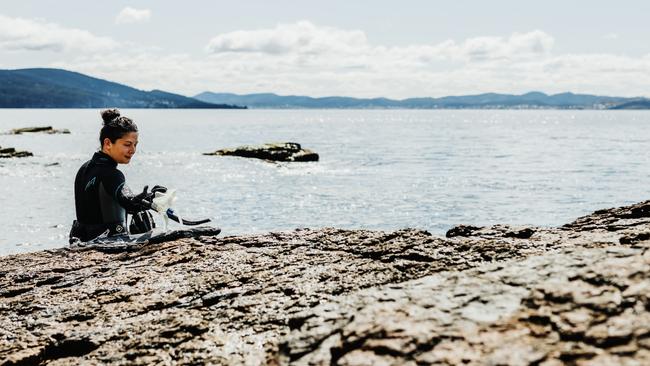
(578, 294)
(10, 152)
(45, 129)
(284, 151)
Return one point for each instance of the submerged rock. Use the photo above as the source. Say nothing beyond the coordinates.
(284, 151)
(577, 294)
(10, 152)
(45, 129)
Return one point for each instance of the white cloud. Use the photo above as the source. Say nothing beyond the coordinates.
(401, 77)
(131, 15)
(306, 59)
(20, 34)
(308, 39)
(518, 46)
(611, 36)
(301, 37)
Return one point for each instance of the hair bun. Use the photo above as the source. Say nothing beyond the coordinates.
(110, 114)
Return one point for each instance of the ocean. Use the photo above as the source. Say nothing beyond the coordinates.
(378, 169)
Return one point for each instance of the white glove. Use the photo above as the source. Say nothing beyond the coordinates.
(162, 201)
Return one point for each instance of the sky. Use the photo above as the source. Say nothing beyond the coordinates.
(362, 48)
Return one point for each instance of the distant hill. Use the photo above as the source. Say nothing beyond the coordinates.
(56, 88)
(532, 100)
(635, 104)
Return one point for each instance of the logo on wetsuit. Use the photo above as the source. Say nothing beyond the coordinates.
(90, 183)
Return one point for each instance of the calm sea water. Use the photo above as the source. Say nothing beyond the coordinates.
(379, 169)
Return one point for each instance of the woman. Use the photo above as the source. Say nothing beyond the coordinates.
(102, 198)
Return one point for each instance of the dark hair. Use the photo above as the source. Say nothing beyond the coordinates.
(115, 126)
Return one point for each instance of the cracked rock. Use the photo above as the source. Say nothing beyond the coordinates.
(578, 294)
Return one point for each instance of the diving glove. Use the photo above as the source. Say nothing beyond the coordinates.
(149, 196)
(142, 200)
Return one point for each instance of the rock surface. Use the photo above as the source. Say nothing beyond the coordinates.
(284, 151)
(10, 152)
(578, 294)
(44, 129)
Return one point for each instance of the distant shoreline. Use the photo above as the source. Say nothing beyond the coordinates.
(532, 100)
(341, 109)
(57, 88)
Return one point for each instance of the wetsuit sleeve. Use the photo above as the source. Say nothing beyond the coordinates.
(131, 203)
(116, 187)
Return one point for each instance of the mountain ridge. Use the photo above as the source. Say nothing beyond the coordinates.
(58, 88)
(530, 100)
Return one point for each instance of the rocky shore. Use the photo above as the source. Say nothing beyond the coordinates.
(578, 294)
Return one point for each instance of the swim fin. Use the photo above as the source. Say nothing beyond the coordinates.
(170, 213)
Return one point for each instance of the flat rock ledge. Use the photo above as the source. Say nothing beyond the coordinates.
(10, 152)
(498, 295)
(282, 151)
(40, 129)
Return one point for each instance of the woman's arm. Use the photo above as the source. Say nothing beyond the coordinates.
(133, 203)
(116, 187)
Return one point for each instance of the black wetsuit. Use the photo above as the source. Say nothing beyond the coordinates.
(102, 199)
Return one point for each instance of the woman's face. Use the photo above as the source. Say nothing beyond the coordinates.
(123, 149)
